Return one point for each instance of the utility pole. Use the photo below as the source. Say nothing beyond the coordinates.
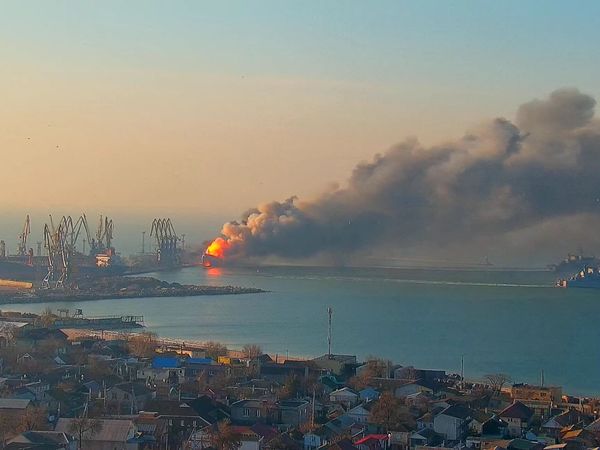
(312, 421)
(143, 242)
(462, 370)
(329, 312)
(182, 241)
(542, 378)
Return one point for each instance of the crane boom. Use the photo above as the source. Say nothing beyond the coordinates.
(22, 247)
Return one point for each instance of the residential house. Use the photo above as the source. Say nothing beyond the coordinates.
(594, 427)
(424, 437)
(452, 423)
(425, 375)
(210, 410)
(34, 337)
(280, 373)
(373, 442)
(330, 383)
(337, 364)
(487, 424)
(415, 387)
(539, 399)
(285, 413)
(342, 444)
(164, 369)
(360, 413)
(114, 434)
(249, 411)
(249, 439)
(176, 417)
(368, 394)
(14, 407)
(43, 440)
(129, 397)
(291, 413)
(150, 430)
(205, 368)
(344, 396)
(425, 421)
(564, 446)
(518, 417)
(584, 437)
(555, 424)
(32, 391)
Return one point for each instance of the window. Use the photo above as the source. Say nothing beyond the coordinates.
(246, 412)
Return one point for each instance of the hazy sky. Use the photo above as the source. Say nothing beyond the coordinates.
(203, 109)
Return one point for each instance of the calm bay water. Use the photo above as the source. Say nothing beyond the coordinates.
(513, 322)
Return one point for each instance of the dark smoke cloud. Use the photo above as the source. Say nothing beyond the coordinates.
(482, 192)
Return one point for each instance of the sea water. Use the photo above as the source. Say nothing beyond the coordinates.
(513, 322)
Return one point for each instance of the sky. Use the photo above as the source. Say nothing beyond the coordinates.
(200, 110)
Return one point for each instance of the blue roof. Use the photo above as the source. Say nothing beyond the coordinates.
(165, 362)
(369, 389)
(205, 361)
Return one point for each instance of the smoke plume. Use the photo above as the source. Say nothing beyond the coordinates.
(520, 186)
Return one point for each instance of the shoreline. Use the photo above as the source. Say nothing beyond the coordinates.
(74, 334)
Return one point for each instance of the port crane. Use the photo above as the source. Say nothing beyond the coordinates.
(102, 240)
(58, 257)
(22, 247)
(104, 234)
(166, 241)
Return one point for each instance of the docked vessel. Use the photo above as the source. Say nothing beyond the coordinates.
(588, 277)
(574, 263)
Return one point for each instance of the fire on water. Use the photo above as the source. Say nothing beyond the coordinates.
(215, 252)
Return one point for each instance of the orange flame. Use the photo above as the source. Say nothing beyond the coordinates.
(216, 249)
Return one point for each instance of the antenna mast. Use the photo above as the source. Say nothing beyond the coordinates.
(329, 313)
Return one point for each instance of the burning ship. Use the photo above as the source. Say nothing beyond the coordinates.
(214, 253)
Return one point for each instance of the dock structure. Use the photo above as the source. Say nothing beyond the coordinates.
(100, 322)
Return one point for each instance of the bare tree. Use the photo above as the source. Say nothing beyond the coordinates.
(390, 413)
(373, 368)
(47, 318)
(85, 425)
(143, 344)
(252, 351)
(224, 437)
(497, 381)
(32, 419)
(7, 427)
(215, 349)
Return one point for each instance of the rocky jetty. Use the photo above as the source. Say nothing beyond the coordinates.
(118, 287)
